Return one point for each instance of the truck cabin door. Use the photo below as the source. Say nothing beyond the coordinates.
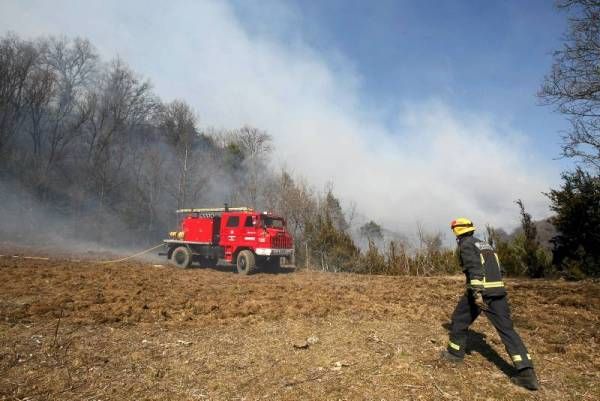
(249, 229)
(230, 234)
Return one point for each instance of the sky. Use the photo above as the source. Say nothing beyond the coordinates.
(416, 111)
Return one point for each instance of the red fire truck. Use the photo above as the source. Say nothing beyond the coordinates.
(239, 235)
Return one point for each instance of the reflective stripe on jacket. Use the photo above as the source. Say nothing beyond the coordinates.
(481, 265)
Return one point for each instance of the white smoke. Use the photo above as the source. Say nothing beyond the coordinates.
(434, 165)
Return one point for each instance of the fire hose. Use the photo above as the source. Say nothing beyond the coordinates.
(131, 256)
(95, 261)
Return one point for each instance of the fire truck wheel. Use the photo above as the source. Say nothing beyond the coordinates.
(181, 257)
(246, 262)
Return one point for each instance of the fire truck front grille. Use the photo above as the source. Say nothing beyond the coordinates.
(281, 242)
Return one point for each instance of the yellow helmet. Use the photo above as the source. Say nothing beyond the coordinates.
(462, 226)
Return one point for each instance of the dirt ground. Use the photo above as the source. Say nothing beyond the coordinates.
(80, 330)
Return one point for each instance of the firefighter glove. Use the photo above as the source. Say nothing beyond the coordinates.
(478, 298)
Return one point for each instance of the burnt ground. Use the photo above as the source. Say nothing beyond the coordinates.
(80, 330)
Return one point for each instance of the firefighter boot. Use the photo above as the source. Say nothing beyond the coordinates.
(526, 378)
(447, 356)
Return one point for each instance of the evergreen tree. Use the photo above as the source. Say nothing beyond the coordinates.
(371, 231)
(577, 208)
(331, 247)
(531, 245)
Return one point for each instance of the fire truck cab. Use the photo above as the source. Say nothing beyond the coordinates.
(238, 235)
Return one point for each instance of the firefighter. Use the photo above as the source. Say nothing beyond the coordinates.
(485, 292)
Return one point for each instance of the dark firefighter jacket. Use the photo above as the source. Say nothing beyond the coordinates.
(480, 265)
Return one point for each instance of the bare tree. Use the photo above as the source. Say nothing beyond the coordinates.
(430, 246)
(252, 148)
(39, 91)
(148, 187)
(256, 145)
(573, 84)
(118, 107)
(17, 61)
(178, 124)
(74, 66)
(295, 201)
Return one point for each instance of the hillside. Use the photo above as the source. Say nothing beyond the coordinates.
(75, 330)
(545, 232)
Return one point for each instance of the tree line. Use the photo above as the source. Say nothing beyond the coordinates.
(90, 142)
(89, 152)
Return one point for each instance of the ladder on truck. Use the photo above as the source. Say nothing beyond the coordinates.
(216, 210)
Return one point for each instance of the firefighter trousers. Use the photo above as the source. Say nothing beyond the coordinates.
(499, 315)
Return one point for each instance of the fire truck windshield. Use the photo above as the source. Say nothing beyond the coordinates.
(272, 222)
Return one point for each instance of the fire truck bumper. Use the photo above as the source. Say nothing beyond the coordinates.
(274, 252)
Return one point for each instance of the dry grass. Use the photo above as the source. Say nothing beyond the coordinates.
(83, 331)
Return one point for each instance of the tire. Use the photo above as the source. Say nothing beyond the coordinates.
(181, 257)
(245, 263)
